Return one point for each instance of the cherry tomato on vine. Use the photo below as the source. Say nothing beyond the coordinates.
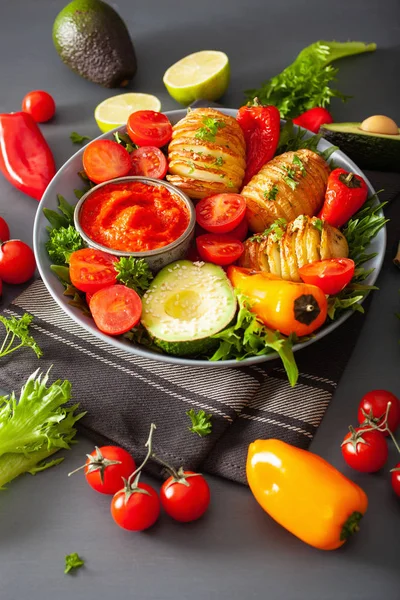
(373, 406)
(136, 508)
(365, 451)
(17, 262)
(106, 466)
(220, 213)
(396, 479)
(187, 498)
(149, 128)
(149, 161)
(4, 231)
(219, 249)
(40, 105)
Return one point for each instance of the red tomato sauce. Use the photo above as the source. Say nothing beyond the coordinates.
(133, 217)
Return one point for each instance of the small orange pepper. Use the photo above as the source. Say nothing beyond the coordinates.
(285, 306)
(304, 493)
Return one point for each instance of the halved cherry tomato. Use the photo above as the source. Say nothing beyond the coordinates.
(240, 232)
(116, 309)
(91, 270)
(4, 230)
(373, 407)
(40, 105)
(104, 160)
(149, 161)
(219, 249)
(149, 128)
(330, 275)
(365, 451)
(221, 213)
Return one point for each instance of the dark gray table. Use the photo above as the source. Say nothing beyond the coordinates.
(236, 551)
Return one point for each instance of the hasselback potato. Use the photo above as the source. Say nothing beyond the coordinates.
(289, 185)
(284, 250)
(207, 154)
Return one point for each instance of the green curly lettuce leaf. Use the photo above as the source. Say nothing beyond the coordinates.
(62, 242)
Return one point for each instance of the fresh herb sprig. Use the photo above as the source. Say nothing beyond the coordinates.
(201, 422)
(73, 561)
(18, 335)
(62, 242)
(210, 129)
(77, 138)
(124, 140)
(135, 273)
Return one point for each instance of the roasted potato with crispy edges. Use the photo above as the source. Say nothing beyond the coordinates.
(207, 154)
(285, 249)
(289, 185)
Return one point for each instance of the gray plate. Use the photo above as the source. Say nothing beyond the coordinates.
(67, 179)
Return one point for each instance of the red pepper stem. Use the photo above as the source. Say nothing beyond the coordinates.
(148, 444)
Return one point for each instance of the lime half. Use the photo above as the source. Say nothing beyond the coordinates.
(114, 112)
(203, 75)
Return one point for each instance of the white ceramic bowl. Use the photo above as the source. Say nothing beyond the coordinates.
(67, 179)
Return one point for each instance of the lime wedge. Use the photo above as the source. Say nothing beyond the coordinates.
(114, 112)
(202, 75)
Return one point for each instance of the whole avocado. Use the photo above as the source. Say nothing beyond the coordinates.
(93, 40)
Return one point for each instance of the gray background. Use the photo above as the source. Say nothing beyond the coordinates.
(236, 550)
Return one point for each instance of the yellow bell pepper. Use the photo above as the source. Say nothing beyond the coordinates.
(304, 493)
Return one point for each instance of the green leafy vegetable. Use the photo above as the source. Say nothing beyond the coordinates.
(297, 161)
(317, 224)
(78, 298)
(124, 140)
(272, 193)
(73, 561)
(219, 161)
(63, 218)
(62, 242)
(210, 129)
(140, 335)
(80, 193)
(192, 167)
(134, 273)
(291, 140)
(249, 337)
(17, 335)
(35, 426)
(278, 228)
(305, 83)
(76, 138)
(201, 422)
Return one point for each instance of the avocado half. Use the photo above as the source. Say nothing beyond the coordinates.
(92, 39)
(375, 151)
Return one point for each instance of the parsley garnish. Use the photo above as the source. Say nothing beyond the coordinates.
(17, 330)
(272, 193)
(124, 140)
(73, 561)
(219, 161)
(62, 242)
(76, 138)
(230, 184)
(134, 273)
(318, 224)
(290, 179)
(192, 167)
(201, 422)
(210, 129)
(277, 229)
(297, 161)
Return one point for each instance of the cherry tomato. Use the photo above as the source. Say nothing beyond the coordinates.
(17, 262)
(240, 232)
(396, 479)
(116, 309)
(149, 161)
(313, 118)
(187, 498)
(105, 468)
(330, 275)
(374, 405)
(4, 231)
(149, 128)
(89, 296)
(40, 105)
(137, 512)
(219, 249)
(104, 160)
(365, 451)
(1, 287)
(91, 270)
(220, 213)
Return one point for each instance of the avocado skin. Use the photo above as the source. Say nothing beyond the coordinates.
(367, 151)
(92, 39)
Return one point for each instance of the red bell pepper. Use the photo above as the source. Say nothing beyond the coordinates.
(25, 157)
(261, 129)
(345, 194)
(313, 119)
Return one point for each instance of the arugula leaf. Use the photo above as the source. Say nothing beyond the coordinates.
(80, 193)
(210, 129)
(18, 330)
(134, 273)
(62, 242)
(35, 426)
(124, 140)
(63, 218)
(201, 422)
(76, 138)
(78, 299)
(73, 561)
(291, 140)
(62, 272)
(249, 337)
(305, 83)
(140, 335)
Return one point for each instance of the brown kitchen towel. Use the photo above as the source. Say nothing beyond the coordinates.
(123, 393)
